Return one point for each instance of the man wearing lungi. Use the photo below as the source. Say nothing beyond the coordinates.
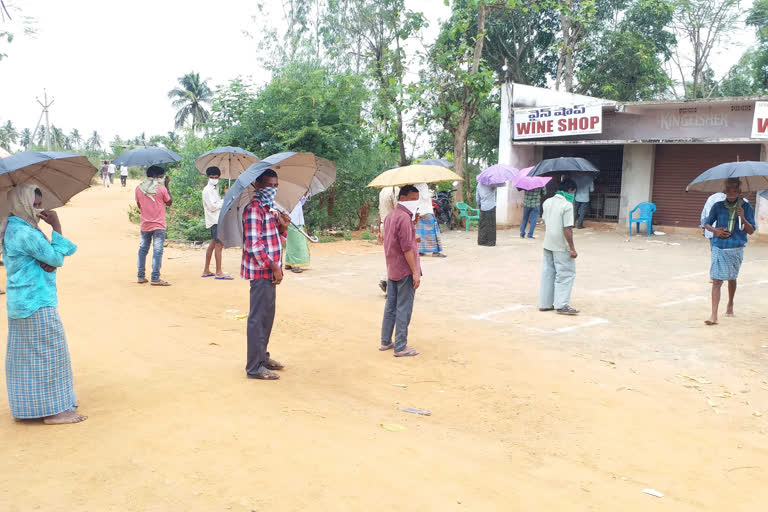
(735, 219)
(427, 228)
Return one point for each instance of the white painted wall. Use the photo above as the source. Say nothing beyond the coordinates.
(636, 178)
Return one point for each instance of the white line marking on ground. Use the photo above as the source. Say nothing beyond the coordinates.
(487, 316)
(691, 298)
(589, 323)
(611, 290)
(323, 276)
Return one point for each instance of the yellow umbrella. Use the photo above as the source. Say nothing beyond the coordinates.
(411, 174)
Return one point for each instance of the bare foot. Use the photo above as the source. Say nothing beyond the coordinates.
(729, 311)
(711, 321)
(64, 418)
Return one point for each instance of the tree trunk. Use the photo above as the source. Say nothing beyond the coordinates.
(567, 54)
(331, 200)
(362, 215)
(400, 136)
(468, 108)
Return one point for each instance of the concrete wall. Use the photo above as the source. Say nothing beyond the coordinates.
(761, 208)
(636, 178)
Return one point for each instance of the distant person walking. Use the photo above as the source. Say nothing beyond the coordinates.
(735, 219)
(584, 185)
(152, 197)
(123, 175)
(531, 204)
(485, 197)
(427, 229)
(297, 245)
(111, 169)
(38, 370)
(403, 272)
(105, 174)
(212, 207)
(264, 233)
(559, 266)
(387, 204)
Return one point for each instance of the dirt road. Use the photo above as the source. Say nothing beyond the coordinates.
(530, 411)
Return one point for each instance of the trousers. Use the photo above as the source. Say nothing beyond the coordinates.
(558, 271)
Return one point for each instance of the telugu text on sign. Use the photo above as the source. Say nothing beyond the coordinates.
(533, 123)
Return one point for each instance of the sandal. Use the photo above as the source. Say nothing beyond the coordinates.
(383, 348)
(209, 274)
(410, 352)
(160, 283)
(225, 278)
(142, 281)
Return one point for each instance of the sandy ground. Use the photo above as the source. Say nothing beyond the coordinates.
(530, 410)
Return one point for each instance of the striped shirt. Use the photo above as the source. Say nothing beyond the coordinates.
(262, 242)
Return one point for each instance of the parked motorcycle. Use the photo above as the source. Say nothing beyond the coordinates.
(443, 205)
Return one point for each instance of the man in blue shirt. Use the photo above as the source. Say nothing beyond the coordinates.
(735, 219)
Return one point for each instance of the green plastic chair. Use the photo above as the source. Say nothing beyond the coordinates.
(464, 210)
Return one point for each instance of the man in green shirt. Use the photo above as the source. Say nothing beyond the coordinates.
(559, 267)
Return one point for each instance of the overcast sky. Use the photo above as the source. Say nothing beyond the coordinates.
(109, 65)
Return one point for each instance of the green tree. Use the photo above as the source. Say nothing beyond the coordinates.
(190, 99)
(8, 135)
(703, 24)
(624, 60)
(58, 139)
(94, 142)
(76, 139)
(25, 138)
(455, 80)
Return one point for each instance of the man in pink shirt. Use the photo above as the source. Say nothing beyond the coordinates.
(152, 196)
(403, 272)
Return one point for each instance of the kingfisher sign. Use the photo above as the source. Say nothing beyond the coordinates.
(760, 120)
(534, 123)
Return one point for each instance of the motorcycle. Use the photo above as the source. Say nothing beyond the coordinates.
(443, 205)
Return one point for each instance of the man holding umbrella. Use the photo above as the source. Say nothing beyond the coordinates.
(735, 219)
(264, 233)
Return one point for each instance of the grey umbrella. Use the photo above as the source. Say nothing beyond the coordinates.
(231, 161)
(147, 156)
(564, 165)
(753, 177)
(58, 175)
(296, 172)
(442, 162)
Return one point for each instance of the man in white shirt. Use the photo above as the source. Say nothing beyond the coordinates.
(212, 205)
(123, 175)
(387, 203)
(111, 171)
(559, 266)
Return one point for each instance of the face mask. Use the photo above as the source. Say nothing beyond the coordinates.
(213, 182)
(266, 195)
(566, 195)
(38, 211)
(412, 207)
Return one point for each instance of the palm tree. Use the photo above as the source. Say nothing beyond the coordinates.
(189, 100)
(75, 138)
(25, 138)
(58, 139)
(8, 135)
(94, 142)
(41, 136)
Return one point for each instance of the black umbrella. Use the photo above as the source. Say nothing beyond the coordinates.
(58, 175)
(753, 177)
(147, 156)
(563, 165)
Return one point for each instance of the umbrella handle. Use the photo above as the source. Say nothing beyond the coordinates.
(312, 239)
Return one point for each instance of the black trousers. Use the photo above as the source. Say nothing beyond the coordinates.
(261, 317)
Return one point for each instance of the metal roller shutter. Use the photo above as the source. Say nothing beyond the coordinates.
(676, 165)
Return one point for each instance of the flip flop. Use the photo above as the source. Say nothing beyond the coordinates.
(225, 278)
(383, 348)
(160, 283)
(208, 275)
(408, 353)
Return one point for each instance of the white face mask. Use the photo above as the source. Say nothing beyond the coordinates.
(213, 182)
(38, 211)
(412, 207)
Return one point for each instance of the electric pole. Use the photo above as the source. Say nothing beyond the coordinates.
(45, 106)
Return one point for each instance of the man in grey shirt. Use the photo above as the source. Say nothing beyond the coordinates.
(584, 185)
(485, 197)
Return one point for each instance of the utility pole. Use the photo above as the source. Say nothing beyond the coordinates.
(45, 106)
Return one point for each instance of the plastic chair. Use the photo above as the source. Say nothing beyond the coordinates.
(464, 210)
(644, 215)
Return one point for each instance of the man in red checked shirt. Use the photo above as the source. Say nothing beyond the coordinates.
(264, 233)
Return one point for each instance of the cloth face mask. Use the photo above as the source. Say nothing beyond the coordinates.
(266, 196)
(412, 206)
(213, 182)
